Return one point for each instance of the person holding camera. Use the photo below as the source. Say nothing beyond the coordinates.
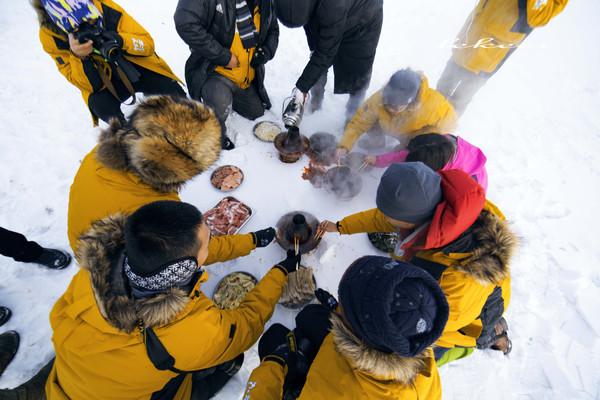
(230, 42)
(104, 52)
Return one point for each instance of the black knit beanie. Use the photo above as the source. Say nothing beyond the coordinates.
(294, 13)
(393, 306)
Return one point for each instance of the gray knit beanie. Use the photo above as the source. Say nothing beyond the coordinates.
(409, 192)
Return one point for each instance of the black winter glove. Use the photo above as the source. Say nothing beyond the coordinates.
(261, 56)
(112, 35)
(326, 299)
(274, 344)
(263, 237)
(291, 262)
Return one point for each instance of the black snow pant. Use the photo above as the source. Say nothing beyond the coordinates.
(460, 85)
(222, 95)
(15, 245)
(33, 389)
(104, 105)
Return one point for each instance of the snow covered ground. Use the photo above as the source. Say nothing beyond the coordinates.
(538, 120)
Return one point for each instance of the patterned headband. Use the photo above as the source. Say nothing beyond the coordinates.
(175, 274)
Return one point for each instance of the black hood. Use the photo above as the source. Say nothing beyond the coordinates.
(294, 13)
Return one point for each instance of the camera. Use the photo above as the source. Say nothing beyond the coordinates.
(103, 42)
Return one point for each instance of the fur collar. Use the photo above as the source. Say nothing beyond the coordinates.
(381, 366)
(166, 142)
(100, 252)
(491, 245)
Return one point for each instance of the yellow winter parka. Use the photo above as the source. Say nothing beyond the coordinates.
(469, 269)
(167, 142)
(431, 113)
(496, 28)
(138, 47)
(100, 353)
(98, 191)
(345, 369)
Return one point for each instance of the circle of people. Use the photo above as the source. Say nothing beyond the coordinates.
(134, 323)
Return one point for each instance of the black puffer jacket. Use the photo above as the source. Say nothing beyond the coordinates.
(342, 33)
(208, 28)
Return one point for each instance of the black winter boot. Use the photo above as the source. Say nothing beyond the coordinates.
(9, 344)
(5, 315)
(54, 259)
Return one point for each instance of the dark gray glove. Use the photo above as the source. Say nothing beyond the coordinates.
(261, 56)
(326, 299)
(291, 262)
(263, 237)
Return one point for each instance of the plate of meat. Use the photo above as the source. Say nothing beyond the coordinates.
(227, 178)
(227, 217)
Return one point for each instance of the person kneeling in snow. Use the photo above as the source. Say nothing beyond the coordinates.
(447, 227)
(104, 52)
(166, 143)
(230, 43)
(374, 345)
(134, 323)
(405, 107)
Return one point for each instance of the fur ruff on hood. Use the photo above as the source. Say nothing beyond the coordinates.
(491, 245)
(166, 142)
(101, 253)
(380, 365)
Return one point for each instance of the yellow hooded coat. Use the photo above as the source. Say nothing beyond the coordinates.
(136, 165)
(345, 369)
(100, 353)
(138, 46)
(431, 113)
(496, 28)
(469, 275)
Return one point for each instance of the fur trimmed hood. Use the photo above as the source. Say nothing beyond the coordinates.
(166, 142)
(101, 253)
(381, 366)
(491, 245)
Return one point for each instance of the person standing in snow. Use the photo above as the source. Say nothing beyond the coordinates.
(376, 344)
(342, 34)
(134, 322)
(493, 31)
(16, 246)
(448, 228)
(440, 153)
(104, 52)
(404, 108)
(166, 143)
(230, 42)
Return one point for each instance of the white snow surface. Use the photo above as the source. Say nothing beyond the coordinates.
(537, 120)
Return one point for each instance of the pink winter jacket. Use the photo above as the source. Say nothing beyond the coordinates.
(468, 158)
